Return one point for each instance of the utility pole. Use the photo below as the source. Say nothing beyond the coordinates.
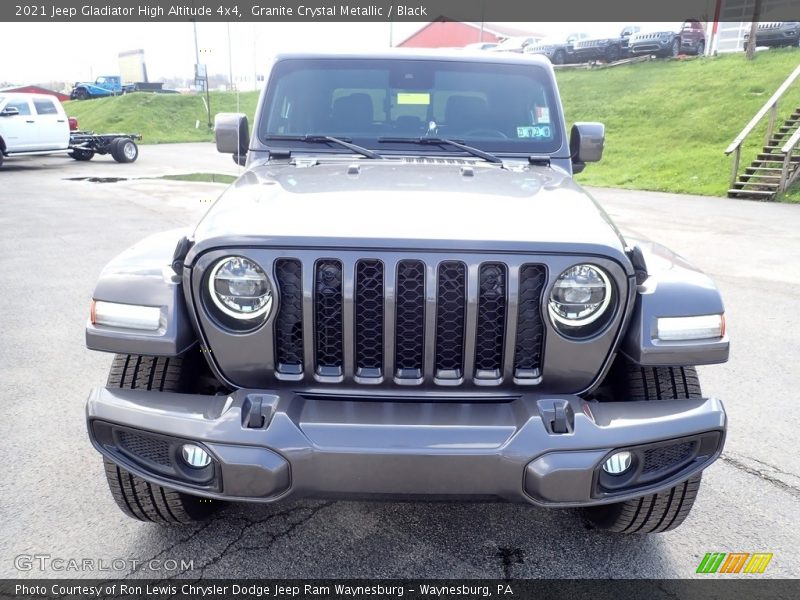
(751, 41)
(230, 58)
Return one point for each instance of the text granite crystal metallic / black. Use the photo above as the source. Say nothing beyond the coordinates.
(406, 295)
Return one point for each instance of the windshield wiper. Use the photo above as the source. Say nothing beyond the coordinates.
(437, 141)
(344, 143)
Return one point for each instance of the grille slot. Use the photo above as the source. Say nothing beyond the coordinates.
(328, 317)
(146, 448)
(530, 329)
(410, 319)
(289, 320)
(450, 309)
(667, 457)
(369, 312)
(490, 333)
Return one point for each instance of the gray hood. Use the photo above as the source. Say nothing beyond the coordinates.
(408, 203)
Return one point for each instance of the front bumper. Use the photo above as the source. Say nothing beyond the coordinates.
(268, 446)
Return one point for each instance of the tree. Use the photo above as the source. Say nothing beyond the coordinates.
(751, 41)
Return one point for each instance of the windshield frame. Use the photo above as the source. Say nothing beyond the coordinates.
(500, 147)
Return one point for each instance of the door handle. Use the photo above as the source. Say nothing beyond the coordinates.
(30, 121)
(61, 120)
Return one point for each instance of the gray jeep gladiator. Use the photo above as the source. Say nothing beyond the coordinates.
(406, 296)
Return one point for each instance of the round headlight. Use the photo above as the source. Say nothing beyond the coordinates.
(581, 294)
(240, 288)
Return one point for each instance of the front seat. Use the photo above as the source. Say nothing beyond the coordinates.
(352, 114)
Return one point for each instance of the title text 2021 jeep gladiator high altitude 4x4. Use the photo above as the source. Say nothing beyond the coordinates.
(406, 295)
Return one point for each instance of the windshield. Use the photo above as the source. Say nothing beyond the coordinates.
(502, 108)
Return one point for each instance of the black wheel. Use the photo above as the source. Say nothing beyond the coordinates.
(124, 150)
(701, 48)
(82, 155)
(1, 159)
(675, 49)
(657, 512)
(81, 94)
(559, 57)
(136, 497)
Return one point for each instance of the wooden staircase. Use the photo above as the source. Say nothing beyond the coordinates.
(762, 179)
(777, 166)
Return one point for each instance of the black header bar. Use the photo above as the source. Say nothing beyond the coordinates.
(629, 11)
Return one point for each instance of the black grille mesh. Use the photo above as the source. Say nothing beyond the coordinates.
(665, 457)
(369, 318)
(145, 447)
(289, 320)
(410, 323)
(450, 307)
(530, 329)
(328, 316)
(491, 318)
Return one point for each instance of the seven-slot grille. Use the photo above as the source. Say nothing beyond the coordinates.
(408, 320)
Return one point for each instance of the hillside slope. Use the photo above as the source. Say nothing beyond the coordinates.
(667, 122)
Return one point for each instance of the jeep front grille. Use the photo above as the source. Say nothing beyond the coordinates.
(408, 320)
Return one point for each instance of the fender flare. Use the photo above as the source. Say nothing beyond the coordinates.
(144, 275)
(672, 288)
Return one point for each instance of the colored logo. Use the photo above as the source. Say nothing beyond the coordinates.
(734, 562)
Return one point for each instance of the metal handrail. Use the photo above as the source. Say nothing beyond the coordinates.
(788, 149)
(770, 104)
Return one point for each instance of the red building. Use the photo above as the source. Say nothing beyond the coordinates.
(35, 89)
(443, 33)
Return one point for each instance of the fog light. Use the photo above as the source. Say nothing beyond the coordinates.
(618, 463)
(195, 456)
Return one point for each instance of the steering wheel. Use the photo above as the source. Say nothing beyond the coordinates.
(496, 133)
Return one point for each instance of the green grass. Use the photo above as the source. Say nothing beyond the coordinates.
(667, 122)
(202, 177)
(159, 118)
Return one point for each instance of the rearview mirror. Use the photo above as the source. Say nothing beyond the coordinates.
(9, 111)
(232, 136)
(586, 143)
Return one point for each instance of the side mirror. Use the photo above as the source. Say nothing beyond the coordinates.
(9, 111)
(232, 135)
(586, 141)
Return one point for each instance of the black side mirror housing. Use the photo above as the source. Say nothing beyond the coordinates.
(232, 135)
(10, 111)
(586, 142)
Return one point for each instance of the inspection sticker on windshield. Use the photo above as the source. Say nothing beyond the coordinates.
(413, 98)
(542, 114)
(537, 131)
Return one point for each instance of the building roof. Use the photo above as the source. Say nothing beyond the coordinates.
(497, 29)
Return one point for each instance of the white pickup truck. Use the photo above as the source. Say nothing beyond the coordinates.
(37, 124)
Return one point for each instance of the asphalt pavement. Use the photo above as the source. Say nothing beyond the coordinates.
(56, 234)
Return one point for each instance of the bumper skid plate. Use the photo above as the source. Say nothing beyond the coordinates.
(267, 445)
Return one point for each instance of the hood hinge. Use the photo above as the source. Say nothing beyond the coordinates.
(181, 250)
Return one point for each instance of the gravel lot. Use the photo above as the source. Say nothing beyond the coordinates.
(56, 236)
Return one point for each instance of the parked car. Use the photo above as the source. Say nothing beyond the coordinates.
(500, 338)
(560, 51)
(671, 40)
(608, 49)
(32, 124)
(515, 44)
(105, 85)
(777, 33)
(481, 46)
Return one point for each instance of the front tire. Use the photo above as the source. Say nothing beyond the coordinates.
(559, 58)
(675, 49)
(82, 155)
(137, 498)
(666, 510)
